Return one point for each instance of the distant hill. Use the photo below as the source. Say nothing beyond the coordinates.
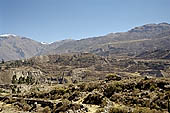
(140, 39)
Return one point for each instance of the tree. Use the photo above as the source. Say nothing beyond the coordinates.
(21, 80)
(14, 79)
(2, 61)
(28, 80)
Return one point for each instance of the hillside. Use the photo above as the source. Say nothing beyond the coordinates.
(156, 54)
(85, 83)
(80, 67)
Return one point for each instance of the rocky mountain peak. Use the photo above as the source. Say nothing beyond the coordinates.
(151, 28)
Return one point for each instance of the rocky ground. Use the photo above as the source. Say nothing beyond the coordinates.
(112, 95)
(84, 83)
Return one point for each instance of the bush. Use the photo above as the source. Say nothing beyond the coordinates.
(100, 110)
(88, 86)
(112, 88)
(93, 99)
(45, 110)
(112, 76)
(14, 79)
(118, 110)
(145, 110)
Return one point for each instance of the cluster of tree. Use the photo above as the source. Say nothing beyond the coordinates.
(23, 80)
(19, 63)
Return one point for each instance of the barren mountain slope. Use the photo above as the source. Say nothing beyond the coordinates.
(148, 37)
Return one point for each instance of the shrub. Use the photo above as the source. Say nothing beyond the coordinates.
(118, 110)
(112, 76)
(100, 110)
(93, 99)
(145, 110)
(88, 86)
(112, 88)
(45, 110)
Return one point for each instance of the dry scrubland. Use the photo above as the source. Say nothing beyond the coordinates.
(112, 95)
(85, 83)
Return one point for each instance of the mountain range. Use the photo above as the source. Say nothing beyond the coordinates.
(139, 40)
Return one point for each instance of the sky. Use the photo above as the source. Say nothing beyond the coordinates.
(53, 20)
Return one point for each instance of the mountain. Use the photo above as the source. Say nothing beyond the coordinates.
(135, 41)
(50, 47)
(14, 47)
(140, 39)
